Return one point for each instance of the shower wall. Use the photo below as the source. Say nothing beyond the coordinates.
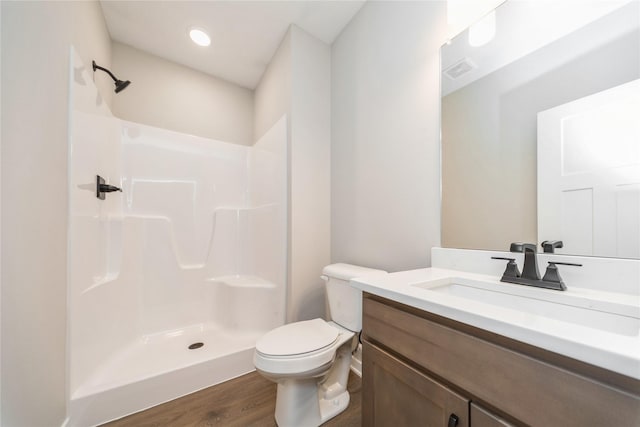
(192, 250)
(203, 216)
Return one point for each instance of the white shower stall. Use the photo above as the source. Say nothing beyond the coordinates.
(172, 280)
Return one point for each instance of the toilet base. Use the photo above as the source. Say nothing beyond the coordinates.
(309, 402)
(300, 404)
(329, 408)
(297, 403)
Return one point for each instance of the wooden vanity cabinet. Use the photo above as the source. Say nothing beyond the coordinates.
(483, 418)
(395, 394)
(419, 369)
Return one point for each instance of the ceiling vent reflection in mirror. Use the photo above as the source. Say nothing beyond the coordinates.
(459, 69)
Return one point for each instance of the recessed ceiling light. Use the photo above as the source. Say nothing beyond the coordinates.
(199, 36)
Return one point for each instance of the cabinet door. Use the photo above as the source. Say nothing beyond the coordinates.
(395, 394)
(480, 417)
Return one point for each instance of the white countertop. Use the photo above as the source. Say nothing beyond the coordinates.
(618, 351)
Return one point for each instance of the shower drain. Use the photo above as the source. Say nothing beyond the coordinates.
(196, 345)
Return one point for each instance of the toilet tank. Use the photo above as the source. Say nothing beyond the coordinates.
(345, 301)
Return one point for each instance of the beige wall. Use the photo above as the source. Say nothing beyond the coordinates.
(297, 83)
(310, 201)
(385, 175)
(175, 97)
(36, 38)
(0, 218)
(272, 101)
(273, 93)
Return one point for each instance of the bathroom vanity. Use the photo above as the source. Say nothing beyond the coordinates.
(450, 348)
(424, 369)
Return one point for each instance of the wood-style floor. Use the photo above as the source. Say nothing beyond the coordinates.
(249, 400)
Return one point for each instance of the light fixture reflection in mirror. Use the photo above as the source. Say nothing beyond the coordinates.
(462, 13)
(483, 31)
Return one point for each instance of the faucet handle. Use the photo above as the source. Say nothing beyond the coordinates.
(549, 246)
(516, 247)
(552, 274)
(512, 268)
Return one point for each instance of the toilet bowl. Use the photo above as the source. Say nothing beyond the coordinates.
(310, 360)
(300, 356)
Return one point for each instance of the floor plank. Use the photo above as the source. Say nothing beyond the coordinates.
(247, 401)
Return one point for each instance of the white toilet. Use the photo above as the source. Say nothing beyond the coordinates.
(310, 360)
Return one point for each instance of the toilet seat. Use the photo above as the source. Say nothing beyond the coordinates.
(297, 339)
(300, 347)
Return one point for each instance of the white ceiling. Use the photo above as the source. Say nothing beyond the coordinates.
(244, 34)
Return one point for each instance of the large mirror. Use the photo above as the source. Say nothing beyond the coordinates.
(541, 128)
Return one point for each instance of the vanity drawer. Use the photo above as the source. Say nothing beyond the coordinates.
(523, 387)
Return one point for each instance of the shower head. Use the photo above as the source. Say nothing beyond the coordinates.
(120, 85)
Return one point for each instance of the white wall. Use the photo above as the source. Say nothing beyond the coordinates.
(297, 83)
(36, 38)
(172, 96)
(385, 158)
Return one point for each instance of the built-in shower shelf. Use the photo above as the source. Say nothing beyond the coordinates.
(223, 234)
(102, 280)
(242, 281)
(244, 207)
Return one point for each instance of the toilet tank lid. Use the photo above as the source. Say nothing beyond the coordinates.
(349, 271)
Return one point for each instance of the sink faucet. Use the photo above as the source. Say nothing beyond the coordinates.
(530, 268)
(530, 274)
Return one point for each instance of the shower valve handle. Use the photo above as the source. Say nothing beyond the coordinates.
(106, 188)
(102, 188)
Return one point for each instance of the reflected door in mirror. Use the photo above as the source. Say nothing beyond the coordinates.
(589, 173)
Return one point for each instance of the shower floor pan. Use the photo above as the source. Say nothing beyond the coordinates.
(159, 368)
